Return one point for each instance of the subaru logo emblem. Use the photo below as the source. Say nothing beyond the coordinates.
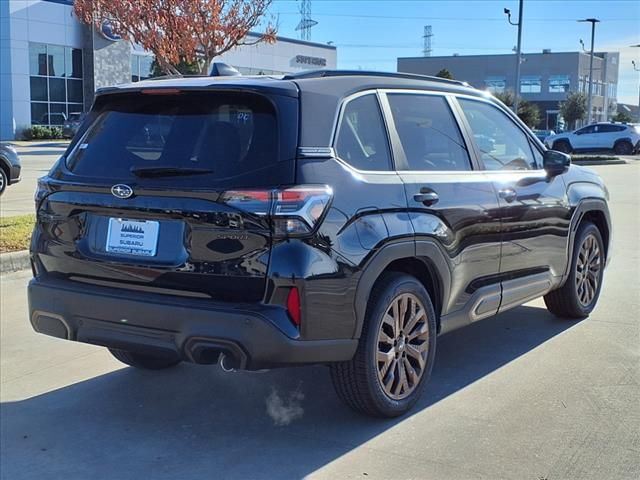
(121, 191)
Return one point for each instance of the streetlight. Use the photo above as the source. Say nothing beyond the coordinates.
(637, 69)
(593, 22)
(507, 12)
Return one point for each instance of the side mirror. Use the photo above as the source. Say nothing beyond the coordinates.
(555, 163)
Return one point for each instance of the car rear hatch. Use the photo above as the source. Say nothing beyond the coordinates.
(147, 195)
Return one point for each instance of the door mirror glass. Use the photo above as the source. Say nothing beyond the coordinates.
(555, 163)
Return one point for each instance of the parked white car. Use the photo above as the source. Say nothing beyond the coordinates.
(622, 139)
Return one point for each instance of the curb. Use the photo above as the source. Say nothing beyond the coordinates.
(14, 261)
(587, 163)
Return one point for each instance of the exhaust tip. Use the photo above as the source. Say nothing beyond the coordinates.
(228, 364)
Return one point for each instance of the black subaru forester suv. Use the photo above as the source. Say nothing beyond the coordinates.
(342, 218)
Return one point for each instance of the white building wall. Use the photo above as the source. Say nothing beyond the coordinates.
(30, 21)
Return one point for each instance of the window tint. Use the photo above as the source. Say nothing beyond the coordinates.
(223, 135)
(610, 128)
(502, 145)
(589, 129)
(428, 132)
(362, 138)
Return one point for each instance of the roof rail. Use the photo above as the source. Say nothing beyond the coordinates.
(345, 73)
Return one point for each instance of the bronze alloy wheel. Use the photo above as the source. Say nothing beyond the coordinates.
(588, 265)
(403, 346)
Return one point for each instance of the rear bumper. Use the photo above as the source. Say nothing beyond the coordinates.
(252, 337)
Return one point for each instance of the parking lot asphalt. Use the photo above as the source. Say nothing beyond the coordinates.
(520, 396)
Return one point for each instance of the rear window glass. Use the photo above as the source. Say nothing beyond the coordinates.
(203, 136)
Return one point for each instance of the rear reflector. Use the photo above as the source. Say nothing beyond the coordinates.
(293, 306)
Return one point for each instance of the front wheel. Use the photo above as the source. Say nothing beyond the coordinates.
(396, 352)
(579, 295)
(145, 362)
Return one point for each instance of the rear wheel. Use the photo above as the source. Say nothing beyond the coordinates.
(580, 293)
(146, 362)
(623, 148)
(562, 146)
(396, 352)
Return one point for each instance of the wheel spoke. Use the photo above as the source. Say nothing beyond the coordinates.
(413, 375)
(386, 359)
(418, 315)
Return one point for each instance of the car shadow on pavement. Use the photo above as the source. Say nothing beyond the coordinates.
(199, 422)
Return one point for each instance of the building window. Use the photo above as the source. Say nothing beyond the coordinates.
(55, 78)
(141, 67)
(530, 84)
(496, 84)
(559, 83)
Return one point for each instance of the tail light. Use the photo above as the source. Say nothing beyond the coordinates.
(42, 190)
(294, 211)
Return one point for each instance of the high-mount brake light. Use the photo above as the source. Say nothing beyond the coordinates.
(160, 91)
(294, 211)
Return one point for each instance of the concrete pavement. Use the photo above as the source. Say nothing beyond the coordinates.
(523, 395)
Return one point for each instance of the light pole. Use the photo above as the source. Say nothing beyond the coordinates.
(637, 69)
(593, 22)
(507, 12)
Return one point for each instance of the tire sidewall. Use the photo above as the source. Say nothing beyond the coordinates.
(4, 182)
(399, 285)
(583, 232)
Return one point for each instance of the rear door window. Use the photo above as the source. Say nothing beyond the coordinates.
(428, 132)
(362, 138)
(208, 137)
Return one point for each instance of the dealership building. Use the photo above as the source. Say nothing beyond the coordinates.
(546, 78)
(51, 63)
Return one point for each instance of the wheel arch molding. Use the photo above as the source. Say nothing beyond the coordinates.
(427, 259)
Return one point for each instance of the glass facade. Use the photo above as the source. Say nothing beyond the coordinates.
(141, 67)
(55, 77)
(530, 84)
(496, 84)
(559, 83)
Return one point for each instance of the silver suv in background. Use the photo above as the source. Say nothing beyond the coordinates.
(621, 138)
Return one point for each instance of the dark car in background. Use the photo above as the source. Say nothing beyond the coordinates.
(10, 166)
(71, 124)
(338, 218)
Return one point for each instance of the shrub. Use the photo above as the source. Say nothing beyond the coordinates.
(42, 132)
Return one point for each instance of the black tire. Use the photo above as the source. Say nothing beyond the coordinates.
(565, 301)
(623, 148)
(145, 362)
(357, 382)
(562, 146)
(4, 180)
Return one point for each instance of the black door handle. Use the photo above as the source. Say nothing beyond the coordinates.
(507, 194)
(426, 197)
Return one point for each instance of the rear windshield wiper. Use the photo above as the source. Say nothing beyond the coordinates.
(167, 171)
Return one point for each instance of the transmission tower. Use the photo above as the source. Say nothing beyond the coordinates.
(305, 20)
(426, 50)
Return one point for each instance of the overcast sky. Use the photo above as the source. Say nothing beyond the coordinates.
(371, 34)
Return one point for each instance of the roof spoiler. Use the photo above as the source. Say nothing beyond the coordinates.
(219, 69)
